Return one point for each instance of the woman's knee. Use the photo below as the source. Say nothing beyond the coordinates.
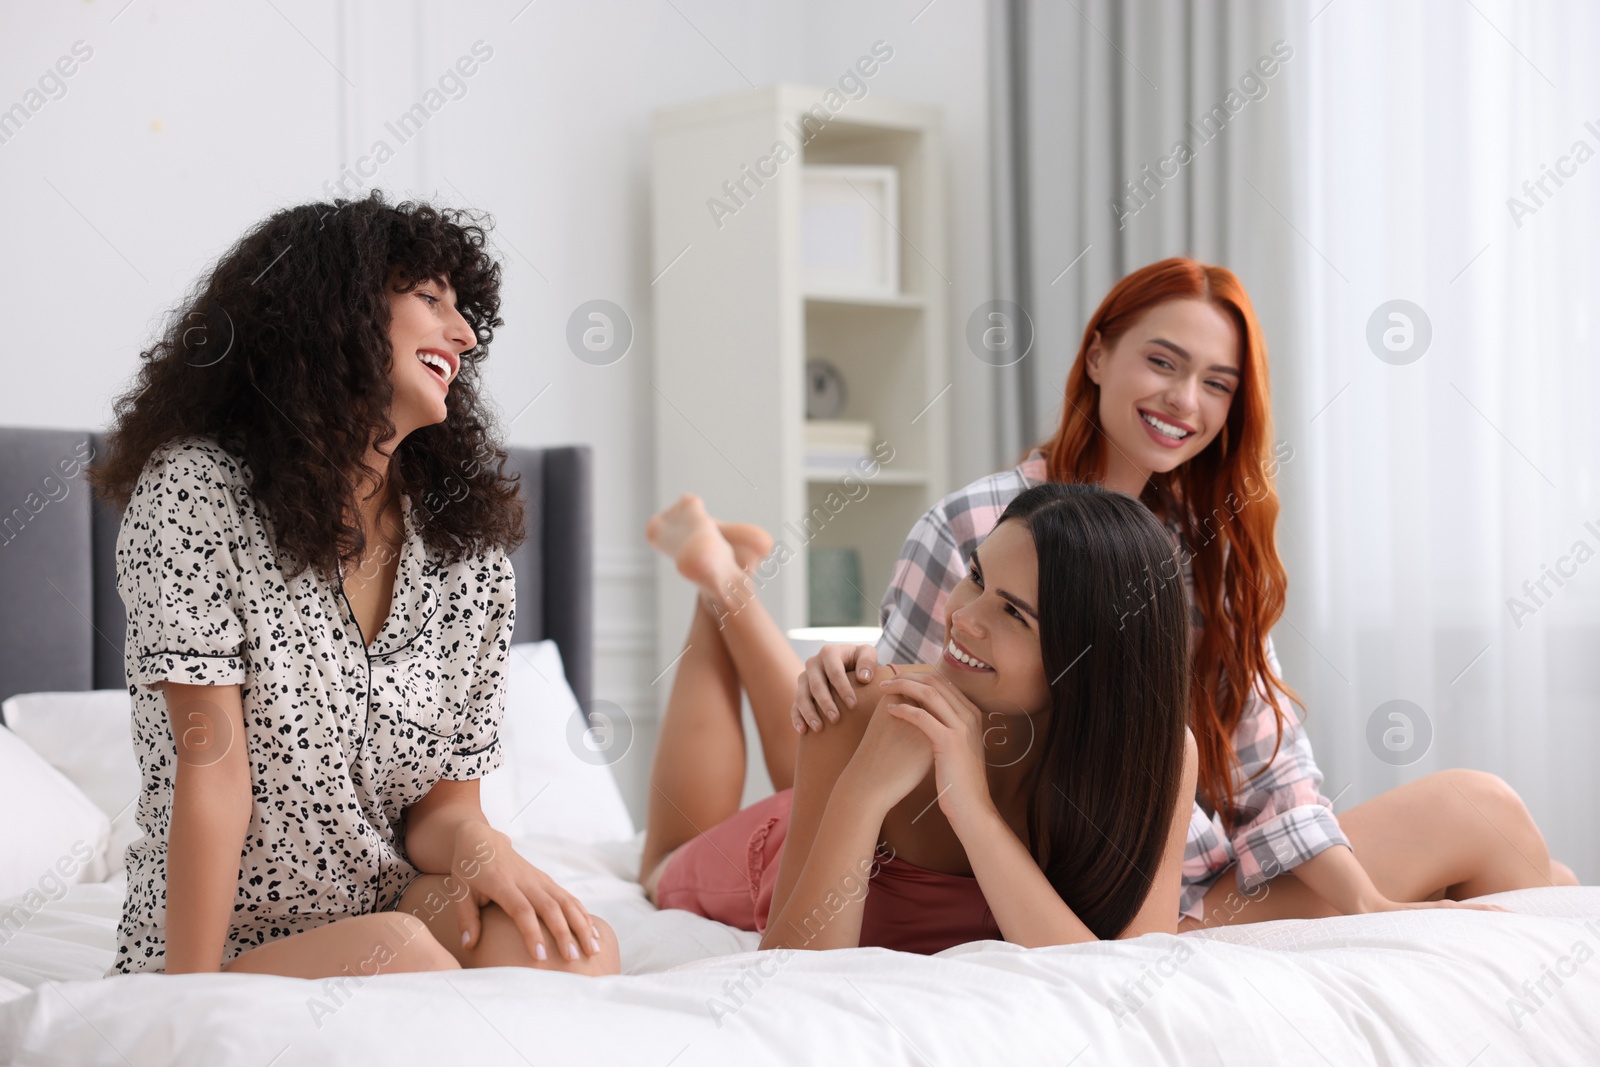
(404, 943)
(1489, 794)
(609, 959)
(502, 942)
(1504, 825)
(502, 945)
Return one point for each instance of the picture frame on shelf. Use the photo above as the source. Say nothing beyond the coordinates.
(849, 240)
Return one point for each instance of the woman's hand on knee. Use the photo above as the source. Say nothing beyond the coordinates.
(502, 945)
(493, 872)
(606, 961)
(826, 682)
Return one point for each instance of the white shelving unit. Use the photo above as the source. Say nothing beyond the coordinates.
(734, 329)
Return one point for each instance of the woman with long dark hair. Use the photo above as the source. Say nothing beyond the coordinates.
(313, 557)
(1168, 401)
(1032, 783)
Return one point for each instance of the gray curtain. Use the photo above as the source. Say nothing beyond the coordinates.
(1092, 98)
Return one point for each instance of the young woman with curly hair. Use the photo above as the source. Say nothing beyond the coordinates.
(313, 558)
(1168, 401)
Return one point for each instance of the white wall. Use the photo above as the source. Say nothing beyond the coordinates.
(190, 122)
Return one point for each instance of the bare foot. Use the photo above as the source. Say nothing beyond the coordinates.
(751, 544)
(691, 537)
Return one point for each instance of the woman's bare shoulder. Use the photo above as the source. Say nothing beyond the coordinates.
(836, 742)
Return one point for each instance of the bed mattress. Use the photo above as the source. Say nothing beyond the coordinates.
(1435, 986)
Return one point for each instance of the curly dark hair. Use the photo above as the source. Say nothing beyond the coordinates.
(282, 356)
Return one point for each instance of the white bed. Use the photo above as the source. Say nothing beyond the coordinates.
(1418, 987)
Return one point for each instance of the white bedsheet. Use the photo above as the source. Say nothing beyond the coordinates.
(1417, 987)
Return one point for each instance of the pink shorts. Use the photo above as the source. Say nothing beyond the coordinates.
(729, 872)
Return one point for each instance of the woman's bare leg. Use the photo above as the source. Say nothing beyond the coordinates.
(358, 947)
(500, 944)
(1461, 831)
(1455, 834)
(697, 774)
(769, 669)
(764, 663)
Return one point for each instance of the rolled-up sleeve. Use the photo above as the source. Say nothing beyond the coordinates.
(1284, 819)
(912, 610)
(477, 748)
(178, 575)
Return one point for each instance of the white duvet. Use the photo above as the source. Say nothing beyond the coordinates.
(1421, 987)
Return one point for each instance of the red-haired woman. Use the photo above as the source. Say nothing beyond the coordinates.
(1168, 401)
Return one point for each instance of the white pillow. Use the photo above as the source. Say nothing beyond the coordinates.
(52, 835)
(87, 736)
(544, 786)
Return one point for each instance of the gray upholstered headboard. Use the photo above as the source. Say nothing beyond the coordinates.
(62, 623)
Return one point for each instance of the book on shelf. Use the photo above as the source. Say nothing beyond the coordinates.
(835, 462)
(838, 435)
(837, 445)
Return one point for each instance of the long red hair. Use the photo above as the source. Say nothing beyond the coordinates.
(1224, 500)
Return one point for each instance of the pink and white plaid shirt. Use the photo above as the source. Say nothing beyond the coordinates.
(1284, 819)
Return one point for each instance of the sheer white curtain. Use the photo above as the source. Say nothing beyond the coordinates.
(1428, 487)
(1434, 489)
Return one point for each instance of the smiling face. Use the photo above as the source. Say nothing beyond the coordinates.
(992, 618)
(427, 336)
(1165, 389)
